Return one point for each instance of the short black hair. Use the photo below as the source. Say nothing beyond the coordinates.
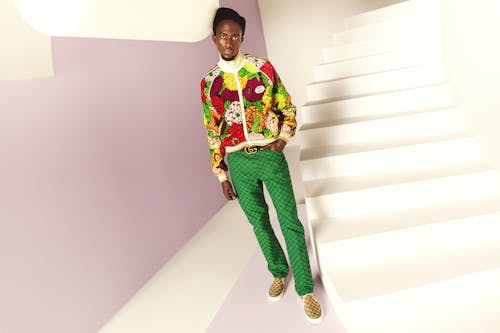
(224, 13)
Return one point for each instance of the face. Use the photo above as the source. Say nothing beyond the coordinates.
(228, 38)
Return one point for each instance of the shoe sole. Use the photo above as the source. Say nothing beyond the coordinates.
(275, 299)
(314, 321)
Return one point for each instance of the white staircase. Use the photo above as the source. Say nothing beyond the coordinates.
(404, 213)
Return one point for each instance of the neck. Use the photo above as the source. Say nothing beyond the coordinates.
(234, 64)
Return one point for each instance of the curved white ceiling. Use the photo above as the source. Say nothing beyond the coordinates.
(53, 17)
(26, 53)
(166, 20)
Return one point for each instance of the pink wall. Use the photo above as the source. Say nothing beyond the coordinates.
(104, 174)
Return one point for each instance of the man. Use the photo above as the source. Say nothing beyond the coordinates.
(249, 117)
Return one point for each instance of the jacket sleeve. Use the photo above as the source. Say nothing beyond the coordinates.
(283, 107)
(212, 122)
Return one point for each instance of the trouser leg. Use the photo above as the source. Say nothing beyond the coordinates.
(279, 186)
(244, 173)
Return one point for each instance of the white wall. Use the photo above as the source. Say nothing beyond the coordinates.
(471, 31)
(296, 32)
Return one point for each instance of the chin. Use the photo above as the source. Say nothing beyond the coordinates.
(230, 58)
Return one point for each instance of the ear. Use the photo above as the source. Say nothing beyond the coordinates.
(214, 38)
(242, 39)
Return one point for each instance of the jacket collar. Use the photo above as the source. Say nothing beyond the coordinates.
(233, 65)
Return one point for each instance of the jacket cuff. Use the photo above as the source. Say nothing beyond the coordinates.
(284, 136)
(222, 177)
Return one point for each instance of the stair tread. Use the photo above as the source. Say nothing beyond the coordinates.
(403, 25)
(421, 46)
(377, 118)
(375, 46)
(425, 254)
(347, 227)
(413, 56)
(372, 94)
(319, 187)
(404, 8)
(375, 95)
(354, 148)
(397, 128)
(395, 102)
(379, 73)
(357, 182)
(463, 304)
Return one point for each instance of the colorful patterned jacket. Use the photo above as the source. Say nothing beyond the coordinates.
(254, 110)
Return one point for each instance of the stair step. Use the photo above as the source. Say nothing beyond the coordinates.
(405, 127)
(327, 199)
(406, 78)
(370, 266)
(367, 48)
(352, 183)
(390, 162)
(412, 8)
(463, 304)
(411, 26)
(387, 103)
(419, 55)
(347, 227)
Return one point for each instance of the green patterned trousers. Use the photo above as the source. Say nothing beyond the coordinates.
(249, 172)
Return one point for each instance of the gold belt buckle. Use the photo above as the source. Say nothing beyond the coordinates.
(250, 150)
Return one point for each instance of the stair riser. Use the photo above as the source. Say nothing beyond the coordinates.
(417, 9)
(438, 155)
(374, 47)
(399, 197)
(377, 83)
(383, 104)
(361, 254)
(460, 305)
(411, 27)
(426, 54)
(422, 125)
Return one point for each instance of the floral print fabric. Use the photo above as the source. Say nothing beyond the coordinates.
(264, 114)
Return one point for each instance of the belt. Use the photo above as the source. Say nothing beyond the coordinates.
(253, 149)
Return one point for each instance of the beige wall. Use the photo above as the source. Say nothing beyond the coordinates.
(25, 53)
(296, 33)
(472, 47)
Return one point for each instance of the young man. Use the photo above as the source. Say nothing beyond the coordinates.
(249, 117)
